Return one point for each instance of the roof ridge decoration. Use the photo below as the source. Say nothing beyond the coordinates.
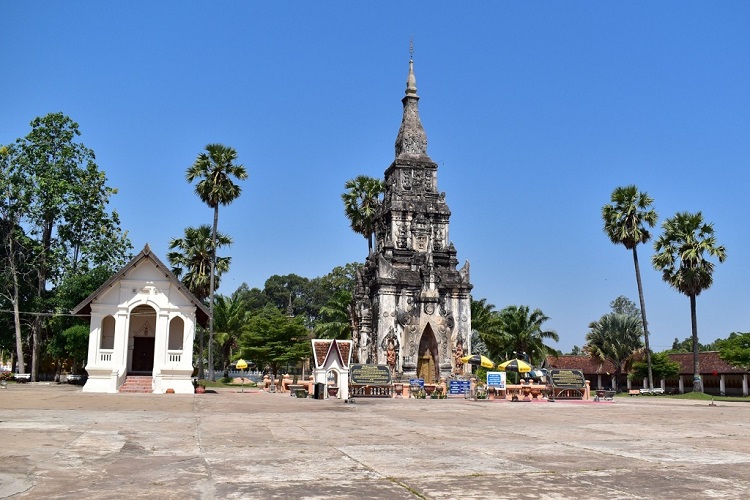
(411, 140)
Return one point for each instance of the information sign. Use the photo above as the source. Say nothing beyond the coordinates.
(567, 379)
(459, 387)
(370, 374)
(496, 380)
(417, 381)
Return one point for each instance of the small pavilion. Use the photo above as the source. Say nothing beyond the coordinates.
(143, 322)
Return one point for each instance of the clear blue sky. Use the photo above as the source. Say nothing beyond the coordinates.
(534, 113)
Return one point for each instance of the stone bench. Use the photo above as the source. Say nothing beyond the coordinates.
(22, 377)
(634, 392)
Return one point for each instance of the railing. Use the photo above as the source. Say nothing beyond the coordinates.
(370, 391)
(105, 356)
(174, 357)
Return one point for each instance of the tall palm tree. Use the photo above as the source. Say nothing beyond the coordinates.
(615, 338)
(216, 168)
(361, 203)
(524, 331)
(681, 256)
(191, 258)
(625, 222)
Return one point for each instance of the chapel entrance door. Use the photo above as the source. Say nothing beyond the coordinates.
(427, 358)
(143, 354)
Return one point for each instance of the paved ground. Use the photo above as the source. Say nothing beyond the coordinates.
(56, 442)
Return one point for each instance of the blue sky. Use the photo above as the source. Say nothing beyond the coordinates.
(533, 111)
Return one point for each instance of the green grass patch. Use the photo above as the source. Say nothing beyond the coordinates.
(702, 396)
(219, 384)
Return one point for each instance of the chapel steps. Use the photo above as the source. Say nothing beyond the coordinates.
(137, 384)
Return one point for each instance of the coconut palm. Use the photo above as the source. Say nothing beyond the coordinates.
(230, 320)
(626, 222)
(191, 258)
(216, 169)
(681, 256)
(615, 338)
(523, 328)
(361, 203)
(485, 322)
(336, 317)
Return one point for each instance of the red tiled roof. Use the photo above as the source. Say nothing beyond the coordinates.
(708, 362)
(320, 347)
(344, 348)
(584, 363)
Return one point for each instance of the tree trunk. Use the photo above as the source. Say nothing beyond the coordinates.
(211, 285)
(16, 308)
(643, 318)
(36, 325)
(697, 385)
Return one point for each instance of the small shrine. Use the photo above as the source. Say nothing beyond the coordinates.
(413, 306)
(331, 358)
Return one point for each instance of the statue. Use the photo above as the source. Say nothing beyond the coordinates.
(459, 354)
(390, 356)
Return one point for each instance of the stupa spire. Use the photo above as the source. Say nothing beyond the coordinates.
(411, 139)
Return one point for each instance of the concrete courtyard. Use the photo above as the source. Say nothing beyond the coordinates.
(57, 442)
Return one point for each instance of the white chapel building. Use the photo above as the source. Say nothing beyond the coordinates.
(143, 323)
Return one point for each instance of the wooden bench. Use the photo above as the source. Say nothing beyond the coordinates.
(22, 377)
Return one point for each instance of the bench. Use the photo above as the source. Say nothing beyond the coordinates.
(22, 377)
(73, 379)
(634, 392)
(653, 392)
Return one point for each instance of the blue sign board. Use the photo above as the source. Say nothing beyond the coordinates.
(417, 381)
(496, 380)
(459, 387)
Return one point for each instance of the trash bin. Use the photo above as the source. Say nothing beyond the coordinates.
(320, 391)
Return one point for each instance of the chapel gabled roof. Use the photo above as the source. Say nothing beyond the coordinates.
(201, 311)
(323, 349)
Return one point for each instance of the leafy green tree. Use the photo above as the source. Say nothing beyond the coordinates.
(735, 350)
(626, 222)
(361, 204)
(62, 205)
(576, 351)
(682, 257)
(253, 298)
(615, 338)
(523, 329)
(15, 256)
(290, 294)
(215, 169)
(275, 340)
(687, 346)
(192, 258)
(623, 305)
(336, 317)
(662, 368)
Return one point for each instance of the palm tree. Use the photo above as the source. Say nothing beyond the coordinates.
(191, 258)
(485, 321)
(215, 169)
(231, 319)
(615, 338)
(681, 256)
(361, 203)
(336, 317)
(625, 222)
(524, 331)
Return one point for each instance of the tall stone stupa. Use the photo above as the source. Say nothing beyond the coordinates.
(412, 304)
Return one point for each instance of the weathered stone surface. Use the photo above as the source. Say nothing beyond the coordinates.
(60, 443)
(410, 298)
